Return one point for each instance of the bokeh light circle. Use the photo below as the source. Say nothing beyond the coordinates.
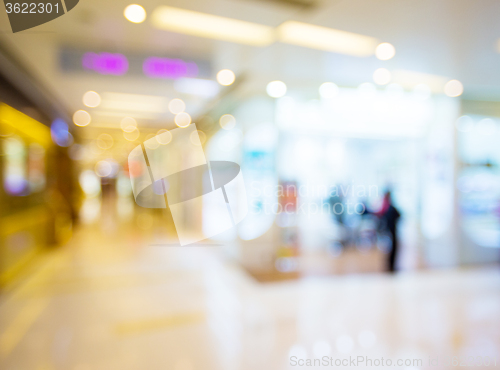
(453, 88)
(103, 168)
(128, 124)
(135, 13)
(91, 99)
(163, 137)
(183, 120)
(276, 89)
(132, 135)
(385, 51)
(227, 122)
(176, 106)
(225, 77)
(81, 118)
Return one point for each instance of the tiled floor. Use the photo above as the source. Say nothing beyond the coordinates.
(108, 301)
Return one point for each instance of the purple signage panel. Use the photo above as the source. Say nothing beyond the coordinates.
(105, 63)
(156, 67)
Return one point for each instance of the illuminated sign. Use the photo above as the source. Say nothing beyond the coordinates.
(169, 68)
(119, 64)
(105, 63)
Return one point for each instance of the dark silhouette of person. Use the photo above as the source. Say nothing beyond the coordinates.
(390, 217)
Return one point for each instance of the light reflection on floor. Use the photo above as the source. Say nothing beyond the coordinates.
(108, 301)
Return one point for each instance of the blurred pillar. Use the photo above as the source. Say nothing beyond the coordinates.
(439, 216)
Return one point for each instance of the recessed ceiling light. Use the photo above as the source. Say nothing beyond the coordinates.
(182, 120)
(225, 77)
(276, 89)
(135, 13)
(176, 106)
(453, 88)
(91, 99)
(385, 51)
(81, 118)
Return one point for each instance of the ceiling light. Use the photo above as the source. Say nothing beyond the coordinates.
(176, 106)
(385, 51)
(81, 118)
(328, 90)
(135, 13)
(382, 76)
(133, 102)
(328, 39)
(453, 88)
(225, 77)
(276, 89)
(211, 26)
(91, 99)
(197, 86)
(182, 120)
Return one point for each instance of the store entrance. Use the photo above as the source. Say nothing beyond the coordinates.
(340, 183)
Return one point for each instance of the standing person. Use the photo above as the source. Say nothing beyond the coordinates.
(390, 216)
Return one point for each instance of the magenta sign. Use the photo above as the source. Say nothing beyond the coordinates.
(169, 68)
(106, 63)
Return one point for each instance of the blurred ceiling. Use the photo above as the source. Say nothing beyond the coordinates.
(456, 39)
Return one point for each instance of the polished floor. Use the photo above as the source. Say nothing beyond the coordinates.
(109, 300)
